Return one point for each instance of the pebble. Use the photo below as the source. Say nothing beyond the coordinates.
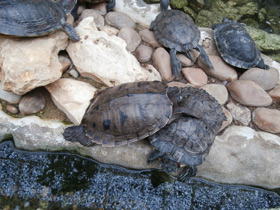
(149, 37)
(267, 119)
(240, 113)
(184, 60)
(275, 94)
(119, 20)
(144, 53)
(228, 120)
(195, 76)
(249, 93)
(217, 91)
(12, 109)
(111, 31)
(100, 7)
(98, 18)
(74, 73)
(161, 61)
(131, 38)
(267, 79)
(65, 62)
(31, 103)
(9, 96)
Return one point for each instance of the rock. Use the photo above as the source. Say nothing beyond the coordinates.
(267, 79)
(98, 19)
(243, 156)
(217, 91)
(112, 63)
(12, 109)
(195, 76)
(177, 84)
(65, 62)
(99, 7)
(267, 119)
(131, 38)
(249, 93)
(184, 60)
(228, 120)
(72, 97)
(207, 41)
(8, 96)
(161, 60)
(144, 53)
(119, 20)
(29, 63)
(149, 37)
(111, 31)
(221, 71)
(275, 94)
(32, 103)
(240, 113)
(74, 73)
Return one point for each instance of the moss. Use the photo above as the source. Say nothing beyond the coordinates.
(152, 1)
(178, 4)
(190, 12)
(250, 22)
(206, 18)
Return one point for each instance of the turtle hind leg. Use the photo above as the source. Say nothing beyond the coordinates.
(71, 32)
(262, 65)
(110, 5)
(77, 133)
(154, 156)
(175, 63)
(187, 173)
(204, 56)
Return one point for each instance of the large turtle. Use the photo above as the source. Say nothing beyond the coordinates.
(187, 139)
(30, 18)
(176, 30)
(236, 46)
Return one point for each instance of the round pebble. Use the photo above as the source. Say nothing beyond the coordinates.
(149, 37)
(12, 109)
(184, 60)
(65, 62)
(144, 53)
(240, 113)
(119, 20)
(195, 76)
(275, 94)
(74, 73)
(219, 92)
(98, 19)
(131, 38)
(267, 119)
(32, 103)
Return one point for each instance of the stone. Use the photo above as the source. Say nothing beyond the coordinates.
(119, 20)
(98, 19)
(267, 79)
(218, 91)
(195, 76)
(72, 97)
(144, 53)
(74, 73)
(240, 113)
(131, 38)
(275, 94)
(249, 93)
(12, 109)
(177, 84)
(29, 63)
(149, 37)
(111, 31)
(184, 60)
(161, 61)
(65, 62)
(113, 64)
(228, 120)
(207, 41)
(221, 71)
(243, 156)
(99, 7)
(267, 119)
(32, 103)
(8, 96)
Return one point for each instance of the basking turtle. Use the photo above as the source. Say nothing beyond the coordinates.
(30, 18)
(236, 46)
(187, 139)
(110, 5)
(176, 30)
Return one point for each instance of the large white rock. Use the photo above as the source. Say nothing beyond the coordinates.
(105, 58)
(27, 63)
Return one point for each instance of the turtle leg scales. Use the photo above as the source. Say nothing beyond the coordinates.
(175, 63)
(71, 32)
(187, 173)
(154, 156)
(204, 56)
(77, 133)
(262, 65)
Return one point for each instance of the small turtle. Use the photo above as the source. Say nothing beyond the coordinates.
(176, 30)
(187, 139)
(236, 46)
(110, 5)
(30, 18)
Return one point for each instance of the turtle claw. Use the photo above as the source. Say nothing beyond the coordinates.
(187, 173)
(204, 56)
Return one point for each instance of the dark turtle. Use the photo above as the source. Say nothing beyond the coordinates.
(126, 113)
(187, 140)
(110, 3)
(30, 18)
(236, 46)
(176, 30)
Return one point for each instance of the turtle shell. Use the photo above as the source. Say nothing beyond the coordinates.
(31, 17)
(176, 30)
(126, 113)
(188, 138)
(235, 45)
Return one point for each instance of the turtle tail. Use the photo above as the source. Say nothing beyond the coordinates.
(77, 133)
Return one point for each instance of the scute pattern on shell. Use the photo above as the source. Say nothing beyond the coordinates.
(176, 30)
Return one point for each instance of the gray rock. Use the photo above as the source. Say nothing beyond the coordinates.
(8, 96)
(144, 53)
(149, 37)
(98, 19)
(119, 20)
(131, 38)
(32, 103)
(240, 113)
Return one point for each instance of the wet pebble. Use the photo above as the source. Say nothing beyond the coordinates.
(131, 38)
(31, 103)
(217, 91)
(149, 37)
(184, 60)
(267, 119)
(195, 76)
(275, 94)
(12, 109)
(240, 113)
(249, 93)
(228, 120)
(98, 18)
(143, 53)
(119, 20)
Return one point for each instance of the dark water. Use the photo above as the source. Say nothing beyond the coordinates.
(65, 181)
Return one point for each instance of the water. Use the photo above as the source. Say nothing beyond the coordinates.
(31, 180)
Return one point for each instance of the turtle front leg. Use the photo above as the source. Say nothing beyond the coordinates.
(110, 5)
(71, 32)
(164, 5)
(154, 156)
(204, 56)
(187, 173)
(77, 133)
(175, 63)
(262, 65)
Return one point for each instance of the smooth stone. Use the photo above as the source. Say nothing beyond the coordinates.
(161, 61)
(267, 119)
(221, 71)
(119, 20)
(195, 76)
(243, 156)
(32, 103)
(144, 53)
(228, 119)
(149, 37)
(275, 94)
(99, 7)
(184, 60)
(177, 84)
(267, 79)
(249, 93)
(239, 113)
(74, 73)
(65, 62)
(131, 38)
(219, 92)
(72, 97)
(8, 96)
(98, 19)
(111, 31)
(12, 109)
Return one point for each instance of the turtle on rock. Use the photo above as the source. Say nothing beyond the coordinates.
(187, 140)
(176, 30)
(31, 18)
(236, 46)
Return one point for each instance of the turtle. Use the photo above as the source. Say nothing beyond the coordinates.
(236, 46)
(31, 18)
(110, 3)
(176, 30)
(187, 140)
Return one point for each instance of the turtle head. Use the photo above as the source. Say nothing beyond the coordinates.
(67, 5)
